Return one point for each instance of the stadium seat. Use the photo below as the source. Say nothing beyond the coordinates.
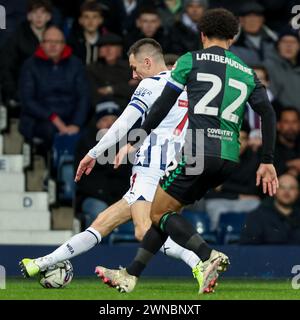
(63, 145)
(200, 221)
(63, 166)
(65, 178)
(230, 227)
(124, 233)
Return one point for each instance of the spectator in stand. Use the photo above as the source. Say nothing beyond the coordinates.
(239, 193)
(276, 221)
(287, 150)
(123, 14)
(104, 185)
(170, 12)
(84, 40)
(53, 91)
(21, 45)
(148, 25)
(264, 77)
(170, 60)
(252, 117)
(284, 69)
(110, 77)
(185, 35)
(255, 42)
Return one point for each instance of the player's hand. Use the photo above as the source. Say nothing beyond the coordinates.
(266, 174)
(86, 165)
(128, 148)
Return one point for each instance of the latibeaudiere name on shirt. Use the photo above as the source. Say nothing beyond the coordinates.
(222, 59)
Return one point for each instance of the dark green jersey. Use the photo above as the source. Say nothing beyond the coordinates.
(218, 85)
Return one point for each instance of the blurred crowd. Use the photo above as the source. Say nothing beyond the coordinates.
(64, 70)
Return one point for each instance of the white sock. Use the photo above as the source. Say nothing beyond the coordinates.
(77, 245)
(174, 250)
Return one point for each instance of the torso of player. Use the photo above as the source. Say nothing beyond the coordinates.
(218, 87)
(160, 147)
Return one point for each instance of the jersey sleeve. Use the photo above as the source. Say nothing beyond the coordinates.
(260, 103)
(145, 95)
(142, 99)
(117, 131)
(181, 71)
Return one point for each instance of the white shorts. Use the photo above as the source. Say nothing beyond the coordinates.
(143, 184)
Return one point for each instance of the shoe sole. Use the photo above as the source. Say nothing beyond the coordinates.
(107, 281)
(211, 277)
(23, 270)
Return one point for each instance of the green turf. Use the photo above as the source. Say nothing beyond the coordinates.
(149, 289)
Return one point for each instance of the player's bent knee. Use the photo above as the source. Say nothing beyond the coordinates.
(140, 231)
(139, 235)
(155, 217)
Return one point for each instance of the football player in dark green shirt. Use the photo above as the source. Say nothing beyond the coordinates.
(218, 85)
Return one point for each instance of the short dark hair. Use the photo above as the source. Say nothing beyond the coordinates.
(147, 44)
(37, 4)
(170, 59)
(148, 10)
(219, 23)
(289, 109)
(91, 6)
(263, 68)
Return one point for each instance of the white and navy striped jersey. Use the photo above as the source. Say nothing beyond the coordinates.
(160, 147)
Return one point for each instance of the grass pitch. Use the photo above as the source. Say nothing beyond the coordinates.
(151, 289)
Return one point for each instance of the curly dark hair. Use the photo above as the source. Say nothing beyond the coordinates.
(219, 23)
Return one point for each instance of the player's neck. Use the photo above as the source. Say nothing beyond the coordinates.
(160, 69)
(225, 44)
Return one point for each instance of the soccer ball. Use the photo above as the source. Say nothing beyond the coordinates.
(57, 276)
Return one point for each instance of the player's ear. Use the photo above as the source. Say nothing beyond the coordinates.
(203, 37)
(148, 63)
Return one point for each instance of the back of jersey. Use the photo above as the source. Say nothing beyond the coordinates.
(218, 87)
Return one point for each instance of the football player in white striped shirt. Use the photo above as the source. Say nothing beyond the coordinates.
(151, 160)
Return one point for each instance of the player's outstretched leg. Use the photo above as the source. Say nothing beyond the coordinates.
(212, 261)
(140, 212)
(184, 234)
(109, 219)
(77, 245)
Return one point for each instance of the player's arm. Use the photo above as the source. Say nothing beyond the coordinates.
(169, 95)
(135, 109)
(266, 172)
(117, 131)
